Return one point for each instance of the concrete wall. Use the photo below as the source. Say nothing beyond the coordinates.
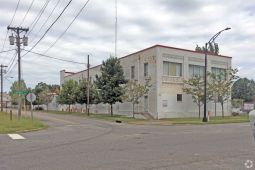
(137, 59)
(169, 87)
(164, 88)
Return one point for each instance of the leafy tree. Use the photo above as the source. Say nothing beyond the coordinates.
(221, 84)
(195, 87)
(212, 48)
(67, 93)
(110, 81)
(44, 97)
(14, 89)
(134, 91)
(54, 88)
(81, 92)
(40, 87)
(244, 89)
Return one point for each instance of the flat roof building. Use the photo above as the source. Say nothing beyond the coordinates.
(167, 67)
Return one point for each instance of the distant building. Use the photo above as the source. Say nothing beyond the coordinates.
(167, 67)
(6, 100)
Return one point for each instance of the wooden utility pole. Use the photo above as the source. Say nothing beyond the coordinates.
(19, 41)
(88, 87)
(2, 66)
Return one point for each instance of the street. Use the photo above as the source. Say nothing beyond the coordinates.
(78, 143)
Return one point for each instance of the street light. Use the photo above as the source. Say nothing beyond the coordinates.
(205, 85)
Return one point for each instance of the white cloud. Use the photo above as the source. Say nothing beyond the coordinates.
(142, 23)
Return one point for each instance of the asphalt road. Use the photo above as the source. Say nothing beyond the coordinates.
(74, 143)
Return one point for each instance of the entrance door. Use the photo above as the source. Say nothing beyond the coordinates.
(146, 103)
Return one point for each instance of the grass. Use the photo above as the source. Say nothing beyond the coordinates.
(106, 117)
(213, 120)
(167, 121)
(15, 125)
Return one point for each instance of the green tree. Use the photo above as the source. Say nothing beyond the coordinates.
(14, 89)
(81, 92)
(212, 48)
(195, 87)
(44, 97)
(244, 89)
(40, 87)
(134, 91)
(220, 84)
(67, 93)
(110, 81)
(54, 88)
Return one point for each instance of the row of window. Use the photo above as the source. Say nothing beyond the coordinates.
(145, 70)
(175, 69)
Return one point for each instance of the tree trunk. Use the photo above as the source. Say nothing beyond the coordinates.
(111, 110)
(222, 109)
(199, 111)
(215, 105)
(47, 107)
(69, 108)
(133, 110)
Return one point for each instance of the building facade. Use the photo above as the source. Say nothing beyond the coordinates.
(167, 67)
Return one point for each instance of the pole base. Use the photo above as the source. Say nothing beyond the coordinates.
(205, 119)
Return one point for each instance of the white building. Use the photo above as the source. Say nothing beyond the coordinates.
(167, 67)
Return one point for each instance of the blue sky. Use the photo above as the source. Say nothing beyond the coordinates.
(143, 23)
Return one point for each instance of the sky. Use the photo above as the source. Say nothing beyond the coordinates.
(141, 24)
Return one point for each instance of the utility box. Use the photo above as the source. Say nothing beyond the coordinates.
(252, 122)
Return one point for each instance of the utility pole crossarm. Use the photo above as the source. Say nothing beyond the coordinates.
(19, 41)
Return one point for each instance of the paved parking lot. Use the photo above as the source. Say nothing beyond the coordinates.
(77, 143)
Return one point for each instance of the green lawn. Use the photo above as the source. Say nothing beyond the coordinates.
(169, 121)
(98, 116)
(15, 125)
(213, 120)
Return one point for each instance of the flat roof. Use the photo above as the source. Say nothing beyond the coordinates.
(154, 46)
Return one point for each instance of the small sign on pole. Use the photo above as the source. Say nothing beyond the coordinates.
(31, 97)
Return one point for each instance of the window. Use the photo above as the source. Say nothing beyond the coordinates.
(146, 69)
(172, 69)
(179, 97)
(219, 71)
(132, 72)
(195, 70)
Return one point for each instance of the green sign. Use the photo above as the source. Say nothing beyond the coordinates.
(22, 92)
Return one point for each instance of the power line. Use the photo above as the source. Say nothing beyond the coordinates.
(37, 18)
(6, 51)
(61, 35)
(11, 63)
(47, 56)
(17, 6)
(31, 4)
(48, 28)
(47, 19)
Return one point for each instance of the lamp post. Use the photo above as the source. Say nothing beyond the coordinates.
(205, 73)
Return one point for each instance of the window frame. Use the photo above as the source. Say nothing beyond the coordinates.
(132, 72)
(179, 98)
(168, 69)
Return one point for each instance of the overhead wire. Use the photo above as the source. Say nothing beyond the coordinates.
(37, 18)
(48, 28)
(55, 58)
(23, 19)
(61, 35)
(47, 19)
(6, 35)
